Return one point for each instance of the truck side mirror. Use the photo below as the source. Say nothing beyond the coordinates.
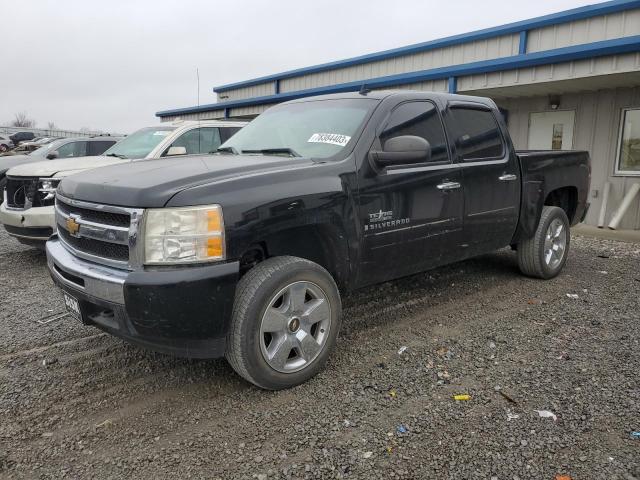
(52, 155)
(403, 150)
(176, 151)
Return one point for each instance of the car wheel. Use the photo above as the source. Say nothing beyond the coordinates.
(544, 255)
(285, 322)
(4, 148)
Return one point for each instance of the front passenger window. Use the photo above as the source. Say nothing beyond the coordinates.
(72, 149)
(198, 141)
(420, 119)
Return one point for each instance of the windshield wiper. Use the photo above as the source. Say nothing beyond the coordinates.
(231, 150)
(116, 155)
(275, 151)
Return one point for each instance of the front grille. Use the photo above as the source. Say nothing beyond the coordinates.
(97, 248)
(21, 192)
(97, 216)
(99, 233)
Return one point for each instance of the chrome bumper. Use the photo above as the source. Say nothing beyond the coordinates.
(98, 281)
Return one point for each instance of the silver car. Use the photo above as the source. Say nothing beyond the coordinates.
(5, 143)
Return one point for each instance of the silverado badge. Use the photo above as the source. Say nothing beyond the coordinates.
(72, 226)
(384, 221)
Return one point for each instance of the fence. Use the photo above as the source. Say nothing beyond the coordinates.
(39, 132)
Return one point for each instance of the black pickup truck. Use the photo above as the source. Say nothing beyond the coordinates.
(244, 253)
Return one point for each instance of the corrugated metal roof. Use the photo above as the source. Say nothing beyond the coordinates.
(577, 52)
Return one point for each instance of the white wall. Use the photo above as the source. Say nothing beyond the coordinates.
(594, 29)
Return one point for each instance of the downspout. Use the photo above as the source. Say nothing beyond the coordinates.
(624, 206)
(603, 207)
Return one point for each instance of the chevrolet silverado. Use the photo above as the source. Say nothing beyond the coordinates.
(245, 253)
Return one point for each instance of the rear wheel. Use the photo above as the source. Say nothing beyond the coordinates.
(544, 255)
(286, 318)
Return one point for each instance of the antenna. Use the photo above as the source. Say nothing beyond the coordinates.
(198, 114)
(364, 90)
(198, 86)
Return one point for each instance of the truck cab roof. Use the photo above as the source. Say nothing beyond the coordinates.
(408, 94)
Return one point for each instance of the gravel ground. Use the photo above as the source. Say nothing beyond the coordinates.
(76, 403)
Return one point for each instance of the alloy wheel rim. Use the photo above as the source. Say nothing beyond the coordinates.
(555, 243)
(295, 327)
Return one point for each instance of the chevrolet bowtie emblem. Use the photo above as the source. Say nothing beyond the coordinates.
(72, 225)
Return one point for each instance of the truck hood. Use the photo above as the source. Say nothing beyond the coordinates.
(152, 183)
(14, 160)
(62, 167)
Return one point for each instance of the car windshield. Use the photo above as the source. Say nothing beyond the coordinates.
(314, 129)
(139, 144)
(49, 147)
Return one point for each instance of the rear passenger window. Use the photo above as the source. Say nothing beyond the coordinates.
(227, 132)
(98, 147)
(420, 119)
(477, 134)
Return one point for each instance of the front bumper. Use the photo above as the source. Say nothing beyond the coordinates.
(184, 311)
(34, 224)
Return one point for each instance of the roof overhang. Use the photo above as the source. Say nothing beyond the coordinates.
(548, 57)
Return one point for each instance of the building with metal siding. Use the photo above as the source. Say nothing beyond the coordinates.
(566, 80)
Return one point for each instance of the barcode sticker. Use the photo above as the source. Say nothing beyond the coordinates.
(331, 138)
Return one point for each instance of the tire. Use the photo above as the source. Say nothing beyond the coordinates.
(3, 148)
(285, 321)
(545, 254)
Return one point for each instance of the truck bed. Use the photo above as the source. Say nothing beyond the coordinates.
(545, 171)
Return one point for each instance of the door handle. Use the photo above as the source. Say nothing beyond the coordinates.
(507, 177)
(448, 186)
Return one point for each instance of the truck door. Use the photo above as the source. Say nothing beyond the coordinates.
(411, 215)
(490, 176)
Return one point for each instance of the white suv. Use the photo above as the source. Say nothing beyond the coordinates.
(27, 211)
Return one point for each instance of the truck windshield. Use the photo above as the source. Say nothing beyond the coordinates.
(139, 144)
(315, 129)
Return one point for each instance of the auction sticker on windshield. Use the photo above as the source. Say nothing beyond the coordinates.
(331, 138)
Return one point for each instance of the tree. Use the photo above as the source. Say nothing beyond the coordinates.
(23, 120)
(52, 126)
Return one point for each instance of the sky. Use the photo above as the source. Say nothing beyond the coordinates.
(111, 65)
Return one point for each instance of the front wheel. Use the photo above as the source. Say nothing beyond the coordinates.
(544, 255)
(286, 317)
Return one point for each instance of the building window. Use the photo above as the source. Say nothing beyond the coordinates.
(629, 146)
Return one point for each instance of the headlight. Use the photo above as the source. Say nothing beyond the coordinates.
(47, 190)
(184, 235)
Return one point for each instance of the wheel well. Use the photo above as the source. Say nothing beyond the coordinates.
(317, 243)
(566, 198)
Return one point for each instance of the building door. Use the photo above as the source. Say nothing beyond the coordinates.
(551, 130)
